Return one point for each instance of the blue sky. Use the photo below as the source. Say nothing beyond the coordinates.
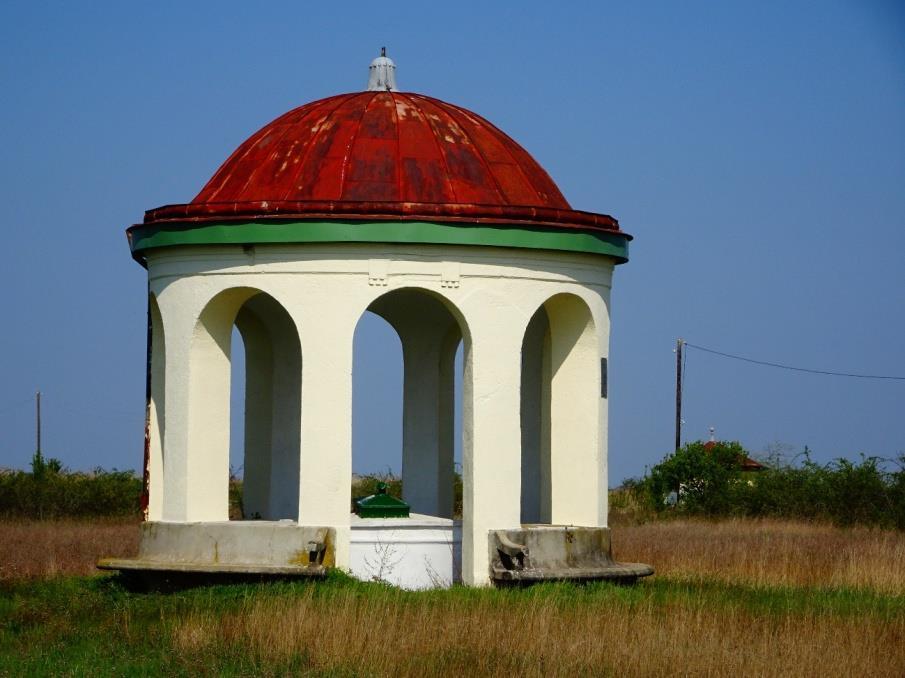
(756, 151)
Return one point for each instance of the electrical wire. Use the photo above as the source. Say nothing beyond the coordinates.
(796, 369)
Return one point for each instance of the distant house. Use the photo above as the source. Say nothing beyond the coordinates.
(748, 464)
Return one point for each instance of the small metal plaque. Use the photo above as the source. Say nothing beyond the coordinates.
(603, 389)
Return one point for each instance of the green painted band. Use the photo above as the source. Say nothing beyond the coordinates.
(143, 237)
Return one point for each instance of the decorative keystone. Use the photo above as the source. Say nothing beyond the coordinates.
(377, 272)
(449, 275)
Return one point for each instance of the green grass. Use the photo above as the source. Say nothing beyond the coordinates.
(82, 626)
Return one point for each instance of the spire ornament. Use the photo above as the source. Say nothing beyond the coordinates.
(382, 77)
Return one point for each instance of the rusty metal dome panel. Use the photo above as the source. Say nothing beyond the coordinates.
(383, 155)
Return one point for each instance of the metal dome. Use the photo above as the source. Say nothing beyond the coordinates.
(383, 155)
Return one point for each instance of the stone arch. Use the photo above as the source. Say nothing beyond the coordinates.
(156, 395)
(273, 368)
(563, 464)
(430, 328)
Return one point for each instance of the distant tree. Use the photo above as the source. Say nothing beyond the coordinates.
(40, 467)
(702, 477)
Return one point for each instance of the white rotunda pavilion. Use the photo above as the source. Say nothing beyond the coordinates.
(429, 216)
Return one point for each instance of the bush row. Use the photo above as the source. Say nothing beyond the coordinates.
(51, 491)
(711, 480)
(62, 494)
(696, 480)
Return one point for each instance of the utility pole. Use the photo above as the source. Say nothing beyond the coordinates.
(679, 344)
(38, 422)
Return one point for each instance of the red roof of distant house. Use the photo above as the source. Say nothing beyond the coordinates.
(748, 464)
(383, 155)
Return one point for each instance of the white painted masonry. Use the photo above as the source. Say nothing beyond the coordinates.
(418, 552)
(297, 307)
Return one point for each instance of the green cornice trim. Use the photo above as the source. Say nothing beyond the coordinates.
(146, 236)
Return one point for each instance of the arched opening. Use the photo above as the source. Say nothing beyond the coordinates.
(237, 393)
(421, 336)
(270, 420)
(412, 414)
(376, 399)
(563, 467)
(535, 420)
(156, 410)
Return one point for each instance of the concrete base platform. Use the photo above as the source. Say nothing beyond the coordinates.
(235, 548)
(538, 553)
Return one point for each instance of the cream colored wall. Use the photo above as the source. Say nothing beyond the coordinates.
(325, 288)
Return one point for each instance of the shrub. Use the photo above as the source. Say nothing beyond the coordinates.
(701, 478)
(712, 482)
(842, 491)
(363, 486)
(51, 491)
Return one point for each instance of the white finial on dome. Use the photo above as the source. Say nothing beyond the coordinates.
(382, 76)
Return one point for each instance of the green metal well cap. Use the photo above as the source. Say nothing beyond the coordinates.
(381, 505)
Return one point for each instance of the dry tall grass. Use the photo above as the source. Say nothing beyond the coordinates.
(744, 551)
(768, 552)
(44, 548)
(650, 630)
(404, 635)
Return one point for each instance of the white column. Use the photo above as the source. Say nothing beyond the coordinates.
(446, 466)
(207, 463)
(491, 458)
(325, 485)
(427, 432)
(196, 437)
(600, 310)
(179, 324)
(157, 413)
(286, 399)
(577, 458)
(258, 415)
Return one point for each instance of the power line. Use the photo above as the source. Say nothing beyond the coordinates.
(796, 369)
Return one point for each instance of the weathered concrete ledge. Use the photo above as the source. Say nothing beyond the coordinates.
(536, 553)
(139, 565)
(279, 548)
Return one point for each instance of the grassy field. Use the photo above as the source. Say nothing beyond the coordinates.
(36, 549)
(745, 597)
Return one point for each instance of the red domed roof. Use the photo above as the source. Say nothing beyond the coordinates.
(382, 155)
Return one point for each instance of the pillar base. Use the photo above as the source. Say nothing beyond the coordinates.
(257, 547)
(536, 553)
